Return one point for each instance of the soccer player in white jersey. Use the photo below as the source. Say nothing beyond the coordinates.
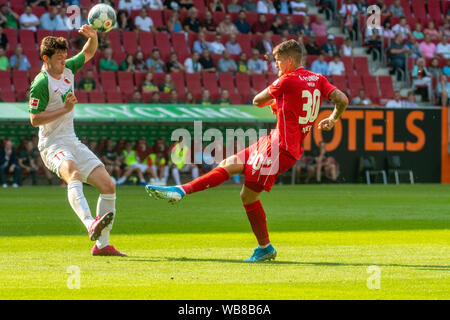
(52, 101)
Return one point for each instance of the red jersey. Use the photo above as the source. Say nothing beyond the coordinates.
(298, 96)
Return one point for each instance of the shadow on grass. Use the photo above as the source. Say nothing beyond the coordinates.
(284, 263)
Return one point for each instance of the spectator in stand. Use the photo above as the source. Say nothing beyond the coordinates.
(172, 4)
(266, 7)
(397, 54)
(261, 26)
(28, 21)
(362, 6)
(232, 45)
(19, 61)
(87, 83)
(322, 161)
(305, 28)
(107, 63)
(27, 161)
(103, 42)
(444, 29)
(139, 62)
(283, 6)
(427, 48)
(226, 64)
(431, 30)
(319, 28)
(271, 65)
(443, 48)
(410, 101)
(216, 5)
(63, 21)
(320, 65)
(111, 160)
(422, 77)
(192, 64)
(396, 9)
(277, 25)
(186, 4)
(189, 98)
(387, 30)
(209, 26)
(136, 98)
(234, 6)
(173, 65)
(396, 102)
(128, 64)
(265, 45)
(200, 44)
(217, 46)
(49, 20)
(242, 63)
(207, 62)
(241, 24)
(330, 48)
(349, 13)
(446, 69)
(124, 22)
(226, 26)
(153, 4)
(143, 22)
(148, 86)
(290, 26)
(402, 28)
(418, 34)
(256, 65)
(299, 7)
(384, 9)
(156, 98)
(3, 40)
(347, 48)
(205, 99)
(361, 99)
(4, 62)
(413, 47)
(224, 99)
(10, 17)
(373, 38)
(174, 98)
(336, 66)
(249, 6)
(8, 164)
(443, 91)
(191, 23)
(108, 2)
(167, 85)
(434, 69)
(133, 165)
(155, 63)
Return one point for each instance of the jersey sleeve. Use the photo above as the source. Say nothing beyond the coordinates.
(39, 94)
(276, 88)
(326, 88)
(76, 62)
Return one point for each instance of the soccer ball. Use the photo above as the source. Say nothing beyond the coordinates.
(102, 17)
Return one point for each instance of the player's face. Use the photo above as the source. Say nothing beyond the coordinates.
(284, 64)
(58, 61)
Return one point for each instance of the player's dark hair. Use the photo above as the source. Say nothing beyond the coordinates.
(290, 48)
(50, 45)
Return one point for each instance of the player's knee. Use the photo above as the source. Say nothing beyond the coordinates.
(109, 187)
(75, 174)
(246, 197)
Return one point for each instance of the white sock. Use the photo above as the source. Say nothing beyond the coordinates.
(106, 203)
(176, 176)
(264, 246)
(195, 173)
(166, 172)
(79, 203)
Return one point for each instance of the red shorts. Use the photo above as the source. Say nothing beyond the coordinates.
(263, 163)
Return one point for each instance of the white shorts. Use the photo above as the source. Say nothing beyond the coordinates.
(141, 166)
(55, 154)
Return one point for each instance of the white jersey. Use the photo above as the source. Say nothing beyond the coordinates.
(48, 93)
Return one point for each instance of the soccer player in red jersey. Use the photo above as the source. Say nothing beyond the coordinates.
(295, 97)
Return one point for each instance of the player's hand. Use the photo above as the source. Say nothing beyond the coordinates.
(87, 31)
(70, 102)
(326, 124)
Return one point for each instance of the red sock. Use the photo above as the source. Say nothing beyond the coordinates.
(212, 179)
(258, 221)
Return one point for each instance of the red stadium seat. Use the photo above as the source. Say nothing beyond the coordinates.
(20, 81)
(226, 82)
(371, 87)
(33, 57)
(119, 56)
(236, 98)
(218, 17)
(251, 18)
(11, 35)
(8, 95)
(96, 97)
(434, 11)
(125, 82)
(178, 79)
(244, 41)
(259, 82)
(361, 65)
(114, 38)
(354, 84)
(340, 82)
(194, 85)
(156, 16)
(108, 80)
(200, 5)
(256, 38)
(27, 39)
(163, 44)
(139, 77)
(114, 97)
(158, 77)
(386, 86)
(209, 81)
(5, 81)
(38, 11)
(82, 96)
(41, 34)
(419, 10)
(129, 41)
(61, 33)
(348, 65)
(243, 82)
(180, 45)
(146, 42)
(271, 77)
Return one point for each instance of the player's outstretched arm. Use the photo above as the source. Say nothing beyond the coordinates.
(91, 45)
(341, 103)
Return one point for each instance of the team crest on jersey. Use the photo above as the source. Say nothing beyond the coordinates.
(34, 103)
(66, 80)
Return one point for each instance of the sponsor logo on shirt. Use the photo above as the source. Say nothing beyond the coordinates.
(34, 103)
(309, 78)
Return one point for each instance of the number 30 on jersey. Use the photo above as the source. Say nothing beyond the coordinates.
(311, 106)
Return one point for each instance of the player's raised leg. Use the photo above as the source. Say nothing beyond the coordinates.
(106, 205)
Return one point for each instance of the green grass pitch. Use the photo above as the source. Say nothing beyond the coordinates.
(327, 237)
